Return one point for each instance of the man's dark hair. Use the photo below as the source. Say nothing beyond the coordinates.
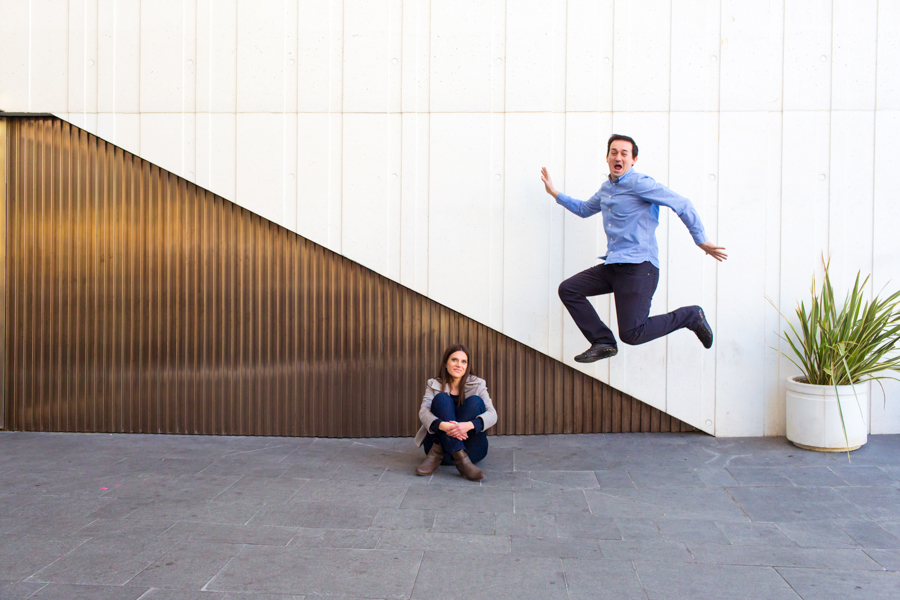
(616, 136)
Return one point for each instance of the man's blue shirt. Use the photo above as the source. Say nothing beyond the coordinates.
(630, 209)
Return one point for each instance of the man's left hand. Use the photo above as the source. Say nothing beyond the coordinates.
(717, 252)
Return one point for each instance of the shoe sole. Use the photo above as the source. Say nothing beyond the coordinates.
(595, 358)
(707, 330)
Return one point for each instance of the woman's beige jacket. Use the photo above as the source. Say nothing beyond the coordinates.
(475, 386)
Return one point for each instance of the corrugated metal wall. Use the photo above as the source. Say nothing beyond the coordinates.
(138, 302)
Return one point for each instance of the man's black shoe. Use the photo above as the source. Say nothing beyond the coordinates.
(597, 352)
(704, 331)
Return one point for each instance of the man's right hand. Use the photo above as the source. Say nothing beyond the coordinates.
(548, 183)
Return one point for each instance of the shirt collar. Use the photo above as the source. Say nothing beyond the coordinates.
(615, 180)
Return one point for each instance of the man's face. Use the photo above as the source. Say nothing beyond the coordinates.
(620, 158)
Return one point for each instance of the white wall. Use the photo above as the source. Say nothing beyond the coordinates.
(409, 134)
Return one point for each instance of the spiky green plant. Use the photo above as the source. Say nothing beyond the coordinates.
(845, 345)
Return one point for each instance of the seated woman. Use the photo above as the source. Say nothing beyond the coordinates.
(455, 413)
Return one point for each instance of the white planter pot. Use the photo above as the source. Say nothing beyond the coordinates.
(813, 421)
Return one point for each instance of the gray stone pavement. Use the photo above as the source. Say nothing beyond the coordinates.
(643, 516)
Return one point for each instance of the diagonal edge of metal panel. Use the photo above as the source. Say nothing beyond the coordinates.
(144, 303)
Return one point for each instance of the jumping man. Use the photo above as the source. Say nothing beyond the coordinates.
(629, 203)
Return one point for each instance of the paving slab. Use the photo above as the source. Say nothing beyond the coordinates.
(167, 594)
(551, 547)
(186, 566)
(760, 477)
(508, 480)
(645, 550)
(448, 521)
(702, 531)
(889, 559)
(571, 479)
(712, 582)
(321, 571)
(639, 529)
(879, 503)
(870, 534)
(490, 577)
(316, 515)
(821, 476)
(755, 534)
(820, 534)
(231, 534)
(443, 542)
(678, 503)
(252, 596)
(24, 555)
(553, 501)
(404, 518)
(812, 558)
(656, 477)
(18, 590)
(560, 457)
(64, 591)
(617, 478)
(442, 497)
(776, 504)
(593, 580)
(526, 524)
(842, 585)
(864, 475)
(260, 490)
(336, 538)
(104, 561)
(584, 525)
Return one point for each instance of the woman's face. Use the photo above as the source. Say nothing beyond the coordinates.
(457, 364)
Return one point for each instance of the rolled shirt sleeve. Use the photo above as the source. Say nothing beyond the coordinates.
(582, 208)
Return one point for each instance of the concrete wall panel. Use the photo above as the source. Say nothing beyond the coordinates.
(695, 55)
(694, 170)
(740, 350)
(752, 55)
(807, 55)
(459, 212)
(888, 70)
(589, 45)
(641, 67)
(886, 250)
(854, 50)
(49, 53)
(260, 52)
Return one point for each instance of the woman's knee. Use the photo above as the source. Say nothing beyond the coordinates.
(442, 399)
(475, 403)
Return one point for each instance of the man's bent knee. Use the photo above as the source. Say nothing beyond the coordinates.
(566, 292)
(631, 337)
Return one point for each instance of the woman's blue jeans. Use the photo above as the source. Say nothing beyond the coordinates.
(444, 407)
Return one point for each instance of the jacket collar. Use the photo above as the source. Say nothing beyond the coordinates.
(471, 382)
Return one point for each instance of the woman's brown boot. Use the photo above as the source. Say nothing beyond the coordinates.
(432, 460)
(466, 467)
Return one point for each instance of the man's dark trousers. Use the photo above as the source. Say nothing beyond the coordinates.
(633, 286)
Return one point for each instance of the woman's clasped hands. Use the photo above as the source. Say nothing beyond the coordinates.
(457, 430)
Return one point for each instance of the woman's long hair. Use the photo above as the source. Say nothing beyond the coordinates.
(444, 375)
